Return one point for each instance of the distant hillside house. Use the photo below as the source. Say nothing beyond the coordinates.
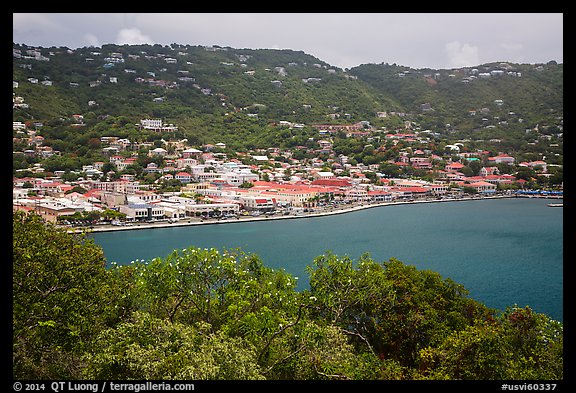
(323, 175)
(454, 166)
(157, 125)
(502, 159)
(191, 153)
(184, 177)
(490, 170)
(157, 152)
(333, 128)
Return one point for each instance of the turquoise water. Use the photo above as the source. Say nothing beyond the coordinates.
(505, 251)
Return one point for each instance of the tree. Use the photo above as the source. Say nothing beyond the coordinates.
(390, 170)
(193, 285)
(230, 291)
(77, 189)
(110, 215)
(319, 351)
(519, 344)
(525, 173)
(477, 352)
(389, 309)
(149, 348)
(58, 298)
(107, 167)
(467, 171)
(557, 177)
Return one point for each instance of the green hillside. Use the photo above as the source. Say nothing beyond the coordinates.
(534, 93)
(216, 94)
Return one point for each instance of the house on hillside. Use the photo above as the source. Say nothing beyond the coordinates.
(157, 152)
(184, 177)
(454, 167)
(490, 170)
(320, 175)
(502, 159)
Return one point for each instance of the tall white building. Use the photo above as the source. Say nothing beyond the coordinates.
(156, 125)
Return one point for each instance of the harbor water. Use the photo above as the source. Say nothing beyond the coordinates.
(504, 251)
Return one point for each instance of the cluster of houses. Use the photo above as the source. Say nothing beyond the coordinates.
(213, 185)
(51, 198)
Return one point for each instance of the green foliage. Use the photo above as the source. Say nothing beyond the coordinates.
(148, 348)
(390, 309)
(59, 288)
(210, 314)
(517, 345)
(451, 99)
(230, 84)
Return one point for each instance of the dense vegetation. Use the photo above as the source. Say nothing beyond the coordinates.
(238, 96)
(222, 314)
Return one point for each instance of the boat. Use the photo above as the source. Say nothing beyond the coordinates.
(556, 204)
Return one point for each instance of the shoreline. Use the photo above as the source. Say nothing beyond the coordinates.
(342, 210)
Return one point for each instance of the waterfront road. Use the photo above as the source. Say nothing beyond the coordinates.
(294, 214)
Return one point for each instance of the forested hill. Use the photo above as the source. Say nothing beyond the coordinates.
(533, 92)
(207, 91)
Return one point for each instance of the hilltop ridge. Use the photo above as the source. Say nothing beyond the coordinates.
(205, 89)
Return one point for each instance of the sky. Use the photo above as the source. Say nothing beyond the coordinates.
(344, 40)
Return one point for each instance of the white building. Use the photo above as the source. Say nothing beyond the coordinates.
(437, 188)
(123, 187)
(260, 203)
(156, 125)
(356, 194)
(206, 209)
(323, 175)
(18, 125)
(143, 197)
(157, 152)
(142, 211)
(238, 178)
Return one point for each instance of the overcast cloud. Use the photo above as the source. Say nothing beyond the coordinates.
(345, 40)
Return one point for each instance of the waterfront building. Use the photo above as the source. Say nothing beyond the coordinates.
(210, 209)
(379, 196)
(356, 194)
(258, 203)
(142, 211)
(482, 187)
